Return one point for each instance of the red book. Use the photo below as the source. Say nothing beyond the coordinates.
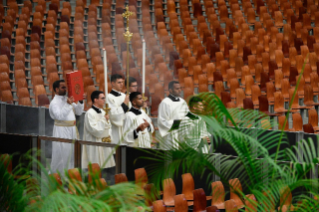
(75, 85)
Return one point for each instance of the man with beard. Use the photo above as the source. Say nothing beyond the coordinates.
(138, 126)
(171, 111)
(63, 110)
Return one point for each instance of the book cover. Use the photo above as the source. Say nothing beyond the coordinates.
(75, 85)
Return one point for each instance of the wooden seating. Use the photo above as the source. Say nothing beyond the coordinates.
(94, 172)
(141, 177)
(120, 178)
(235, 187)
(180, 203)
(218, 197)
(199, 200)
(158, 206)
(169, 192)
(231, 206)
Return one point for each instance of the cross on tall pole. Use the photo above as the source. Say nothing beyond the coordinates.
(127, 35)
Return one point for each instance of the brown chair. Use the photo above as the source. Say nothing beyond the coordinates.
(281, 121)
(235, 187)
(307, 128)
(94, 172)
(313, 119)
(180, 203)
(199, 200)
(212, 209)
(141, 177)
(43, 100)
(279, 105)
(218, 197)
(169, 192)
(189, 186)
(74, 174)
(230, 206)
(120, 178)
(296, 122)
(158, 206)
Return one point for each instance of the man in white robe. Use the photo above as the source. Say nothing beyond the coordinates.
(118, 103)
(171, 111)
(133, 87)
(192, 129)
(63, 110)
(138, 126)
(97, 128)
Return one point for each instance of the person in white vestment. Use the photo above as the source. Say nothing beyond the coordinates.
(192, 129)
(133, 87)
(63, 110)
(171, 111)
(97, 128)
(138, 126)
(118, 103)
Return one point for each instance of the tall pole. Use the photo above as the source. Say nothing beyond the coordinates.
(127, 35)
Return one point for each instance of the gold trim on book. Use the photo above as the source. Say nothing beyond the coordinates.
(106, 139)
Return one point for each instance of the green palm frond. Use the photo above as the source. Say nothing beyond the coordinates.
(11, 191)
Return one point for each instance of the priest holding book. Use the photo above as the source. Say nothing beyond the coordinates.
(118, 103)
(170, 113)
(63, 110)
(138, 126)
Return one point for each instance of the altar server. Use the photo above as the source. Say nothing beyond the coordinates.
(97, 128)
(192, 129)
(63, 110)
(133, 87)
(138, 126)
(170, 113)
(118, 102)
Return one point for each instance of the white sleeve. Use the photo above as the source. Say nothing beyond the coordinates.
(128, 129)
(149, 120)
(59, 112)
(78, 108)
(117, 113)
(164, 118)
(98, 128)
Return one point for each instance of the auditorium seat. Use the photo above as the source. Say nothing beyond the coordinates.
(120, 178)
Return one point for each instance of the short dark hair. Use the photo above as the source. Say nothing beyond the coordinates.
(95, 95)
(115, 77)
(171, 84)
(194, 100)
(134, 95)
(56, 84)
(131, 80)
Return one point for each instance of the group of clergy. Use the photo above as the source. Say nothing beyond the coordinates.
(127, 123)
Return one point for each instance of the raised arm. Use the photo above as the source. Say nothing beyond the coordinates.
(117, 112)
(78, 108)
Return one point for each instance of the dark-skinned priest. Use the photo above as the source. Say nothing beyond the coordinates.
(171, 111)
(138, 126)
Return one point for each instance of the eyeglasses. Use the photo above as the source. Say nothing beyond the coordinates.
(133, 86)
(102, 98)
(63, 87)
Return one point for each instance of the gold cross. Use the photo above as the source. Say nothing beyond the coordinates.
(127, 15)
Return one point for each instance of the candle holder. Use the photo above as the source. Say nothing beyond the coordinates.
(127, 36)
(107, 110)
